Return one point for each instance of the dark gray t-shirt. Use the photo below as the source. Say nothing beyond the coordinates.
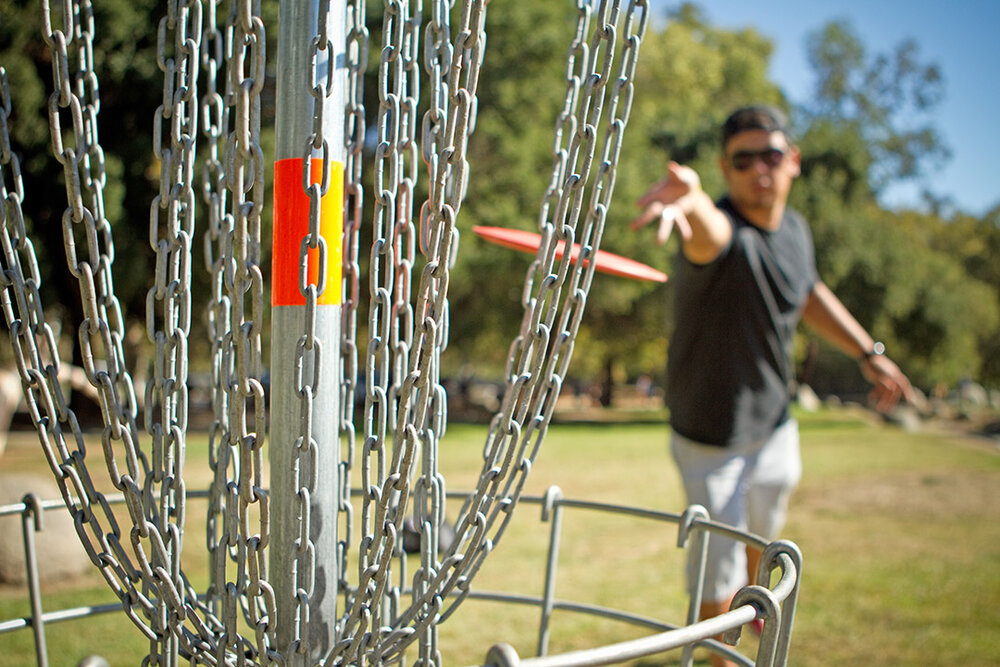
(729, 363)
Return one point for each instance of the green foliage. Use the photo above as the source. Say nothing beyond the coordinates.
(129, 92)
(689, 75)
(920, 301)
(975, 243)
(928, 286)
(886, 99)
(933, 303)
(511, 154)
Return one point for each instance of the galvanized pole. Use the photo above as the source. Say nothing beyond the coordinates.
(305, 325)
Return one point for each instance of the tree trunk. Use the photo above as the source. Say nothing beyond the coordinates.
(607, 383)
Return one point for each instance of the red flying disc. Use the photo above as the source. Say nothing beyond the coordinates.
(604, 262)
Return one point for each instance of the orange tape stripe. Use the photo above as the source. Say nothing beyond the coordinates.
(291, 223)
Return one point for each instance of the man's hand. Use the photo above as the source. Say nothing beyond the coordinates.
(665, 203)
(889, 383)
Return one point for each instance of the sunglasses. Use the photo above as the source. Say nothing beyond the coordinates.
(743, 160)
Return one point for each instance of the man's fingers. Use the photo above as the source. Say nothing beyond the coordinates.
(683, 225)
(653, 194)
(670, 218)
(649, 213)
(667, 219)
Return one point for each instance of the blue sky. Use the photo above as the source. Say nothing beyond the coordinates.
(960, 37)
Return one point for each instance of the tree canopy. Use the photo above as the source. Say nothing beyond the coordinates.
(927, 285)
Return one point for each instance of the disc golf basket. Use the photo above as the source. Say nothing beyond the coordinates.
(305, 551)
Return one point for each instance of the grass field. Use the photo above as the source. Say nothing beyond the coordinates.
(900, 534)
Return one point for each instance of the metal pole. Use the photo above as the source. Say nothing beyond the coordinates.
(305, 334)
(551, 510)
(31, 522)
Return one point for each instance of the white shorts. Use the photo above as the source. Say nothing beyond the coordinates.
(746, 487)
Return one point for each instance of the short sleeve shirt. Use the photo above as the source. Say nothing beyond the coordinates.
(729, 362)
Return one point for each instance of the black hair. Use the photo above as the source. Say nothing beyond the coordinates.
(756, 117)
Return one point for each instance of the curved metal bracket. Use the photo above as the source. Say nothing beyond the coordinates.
(502, 655)
(691, 514)
(766, 604)
(33, 508)
(552, 494)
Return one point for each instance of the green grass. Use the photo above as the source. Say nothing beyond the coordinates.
(900, 534)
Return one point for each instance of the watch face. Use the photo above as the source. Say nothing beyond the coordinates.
(878, 348)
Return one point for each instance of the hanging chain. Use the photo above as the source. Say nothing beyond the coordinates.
(100, 336)
(417, 396)
(407, 331)
(354, 136)
(540, 356)
(168, 302)
(378, 534)
(247, 510)
(36, 352)
(215, 114)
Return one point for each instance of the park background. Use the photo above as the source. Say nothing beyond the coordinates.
(920, 271)
(921, 276)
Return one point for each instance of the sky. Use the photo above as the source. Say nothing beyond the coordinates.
(959, 37)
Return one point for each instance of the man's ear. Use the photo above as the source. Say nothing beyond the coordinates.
(724, 167)
(795, 156)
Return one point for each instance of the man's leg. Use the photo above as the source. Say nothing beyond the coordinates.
(753, 562)
(774, 476)
(714, 478)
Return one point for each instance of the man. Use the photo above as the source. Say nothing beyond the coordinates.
(745, 277)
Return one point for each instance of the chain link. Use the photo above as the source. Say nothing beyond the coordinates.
(309, 348)
(215, 121)
(378, 538)
(144, 568)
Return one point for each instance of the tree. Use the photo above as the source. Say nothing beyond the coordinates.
(870, 124)
(129, 91)
(127, 94)
(921, 302)
(887, 100)
(976, 243)
(520, 92)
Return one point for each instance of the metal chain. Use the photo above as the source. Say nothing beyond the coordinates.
(407, 332)
(420, 419)
(354, 136)
(149, 580)
(539, 357)
(216, 106)
(404, 242)
(378, 535)
(36, 352)
(100, 336)
(247, 512)
(168, 302)
(309, 347)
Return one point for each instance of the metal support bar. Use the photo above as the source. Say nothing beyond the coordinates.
(31, 522)
(551, 510)
(787, 557)
(687, 524)
(304, 451)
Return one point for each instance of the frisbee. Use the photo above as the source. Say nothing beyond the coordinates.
(605, 262)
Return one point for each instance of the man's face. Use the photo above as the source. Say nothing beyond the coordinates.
(759, 167)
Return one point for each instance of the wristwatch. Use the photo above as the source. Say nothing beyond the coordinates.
(877, 350)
